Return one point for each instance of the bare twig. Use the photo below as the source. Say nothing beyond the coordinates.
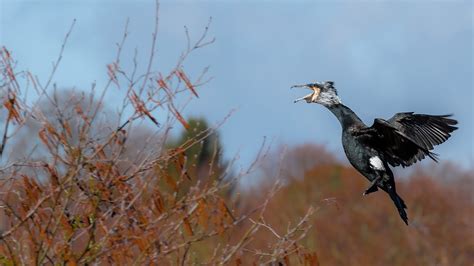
(30, 213)
(152, 49)
(60, 56)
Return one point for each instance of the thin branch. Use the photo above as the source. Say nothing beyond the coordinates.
(56, 64)
(28, 215)
(152, 49)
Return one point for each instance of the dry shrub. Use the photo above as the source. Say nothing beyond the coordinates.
(81, 183)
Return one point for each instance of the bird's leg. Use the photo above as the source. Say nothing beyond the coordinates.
(373, 186)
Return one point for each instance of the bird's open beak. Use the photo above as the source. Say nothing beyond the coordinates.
(310, 97)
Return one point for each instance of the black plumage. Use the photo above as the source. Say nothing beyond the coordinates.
(402, 140)
(407, 137)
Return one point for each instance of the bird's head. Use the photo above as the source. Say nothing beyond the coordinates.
(323, 93)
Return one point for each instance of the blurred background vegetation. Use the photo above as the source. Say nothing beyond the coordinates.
(351, 229)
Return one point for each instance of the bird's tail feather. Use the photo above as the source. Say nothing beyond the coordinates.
(400, 204)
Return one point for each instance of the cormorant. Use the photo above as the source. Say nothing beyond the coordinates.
(402, 140)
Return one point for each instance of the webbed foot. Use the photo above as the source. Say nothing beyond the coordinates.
(371, 189)
(373, 186)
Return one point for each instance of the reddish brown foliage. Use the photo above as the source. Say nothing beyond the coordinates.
(351, 229)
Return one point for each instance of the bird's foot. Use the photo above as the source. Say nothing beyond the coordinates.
(371, 189)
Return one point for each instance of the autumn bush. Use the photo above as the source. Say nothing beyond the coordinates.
(87, 180)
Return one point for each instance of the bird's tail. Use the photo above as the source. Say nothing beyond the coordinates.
(399, 203)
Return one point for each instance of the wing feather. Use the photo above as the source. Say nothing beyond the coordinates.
(407, 138)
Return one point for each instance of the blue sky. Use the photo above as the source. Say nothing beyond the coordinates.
(385, 57)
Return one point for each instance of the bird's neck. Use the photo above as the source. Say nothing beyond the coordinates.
(346, 116)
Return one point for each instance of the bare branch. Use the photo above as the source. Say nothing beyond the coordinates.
(60, 56)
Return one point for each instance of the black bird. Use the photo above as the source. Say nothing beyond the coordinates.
(402, 140)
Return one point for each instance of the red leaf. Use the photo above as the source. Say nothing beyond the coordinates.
(179, 117)
(188, 83)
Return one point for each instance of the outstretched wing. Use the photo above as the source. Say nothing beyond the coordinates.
(407, 138)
